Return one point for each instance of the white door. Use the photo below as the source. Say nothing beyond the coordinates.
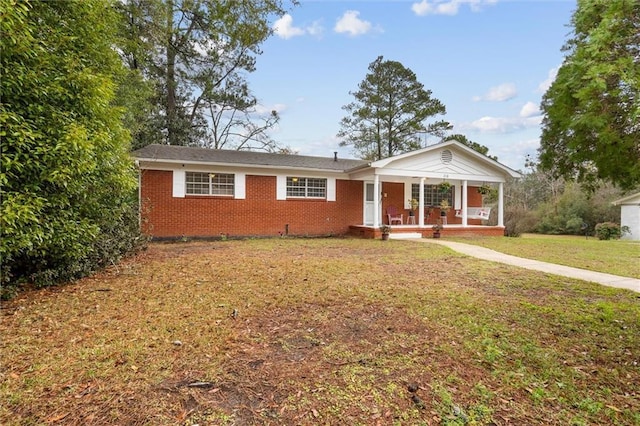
(369, 207)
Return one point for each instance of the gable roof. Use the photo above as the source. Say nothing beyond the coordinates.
(183, 154)
(157, 153)
(629, 200)
(470, 152)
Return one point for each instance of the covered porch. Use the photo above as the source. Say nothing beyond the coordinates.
(445, 184)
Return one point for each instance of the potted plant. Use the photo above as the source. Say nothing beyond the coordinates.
(436, 229)
(444, 187)
(386, 230)
(485, 189)
(414, 205)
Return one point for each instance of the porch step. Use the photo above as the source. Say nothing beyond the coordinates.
(404, 235)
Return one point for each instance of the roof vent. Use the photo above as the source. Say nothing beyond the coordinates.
(446, 156)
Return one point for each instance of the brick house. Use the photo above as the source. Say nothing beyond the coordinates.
(196, 192)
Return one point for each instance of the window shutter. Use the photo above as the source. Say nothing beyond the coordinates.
(240, 186)
(281, 187)
(179, 183)
(331, 189)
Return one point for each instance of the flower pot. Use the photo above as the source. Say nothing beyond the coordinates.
(385, 237)
(436, 234)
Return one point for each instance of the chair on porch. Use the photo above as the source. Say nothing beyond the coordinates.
(393, 216)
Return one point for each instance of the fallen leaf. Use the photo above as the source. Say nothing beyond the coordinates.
(57, 418)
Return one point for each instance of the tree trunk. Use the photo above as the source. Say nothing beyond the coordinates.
(171, 78)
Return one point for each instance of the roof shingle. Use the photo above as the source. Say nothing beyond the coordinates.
(157, 152)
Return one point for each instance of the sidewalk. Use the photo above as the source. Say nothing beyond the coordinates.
(550, 268)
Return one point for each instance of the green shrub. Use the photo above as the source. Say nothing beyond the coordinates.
(68, 204)
(608, 231)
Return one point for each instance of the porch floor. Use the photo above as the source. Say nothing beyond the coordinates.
(405, 231)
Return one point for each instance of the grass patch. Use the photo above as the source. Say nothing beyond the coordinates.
(322, 331)
(618, 257)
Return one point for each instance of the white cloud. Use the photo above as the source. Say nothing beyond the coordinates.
(476, 5)
(444, 7)
(350, 23)
(285, 29)
(428, 7)
(315, 29)
(503, 125)
(529, 110)
(551, 76)
(516, 153)
(500, 93)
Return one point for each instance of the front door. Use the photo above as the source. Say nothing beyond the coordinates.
(369, 207)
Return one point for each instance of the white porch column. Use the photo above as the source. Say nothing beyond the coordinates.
(421, 203)
(464, 203)
(376, 200)
(501, 204)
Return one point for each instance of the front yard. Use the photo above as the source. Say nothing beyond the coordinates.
(618, 257)
(320, 331)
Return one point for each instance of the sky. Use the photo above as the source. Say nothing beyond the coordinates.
(488, 61)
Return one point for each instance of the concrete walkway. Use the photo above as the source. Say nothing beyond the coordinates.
(550, 268)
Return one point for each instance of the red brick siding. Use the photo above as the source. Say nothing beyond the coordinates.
(260, 214)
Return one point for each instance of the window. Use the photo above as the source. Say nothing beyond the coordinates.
(306, 187)
(432, 194)
(210, 183)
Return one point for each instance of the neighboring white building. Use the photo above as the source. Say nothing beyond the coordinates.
(630, 215)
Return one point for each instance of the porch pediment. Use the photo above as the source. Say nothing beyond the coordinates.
(448, 160)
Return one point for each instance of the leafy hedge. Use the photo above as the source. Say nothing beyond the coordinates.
(68, 182)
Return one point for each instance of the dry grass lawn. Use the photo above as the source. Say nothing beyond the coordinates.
(320, 331)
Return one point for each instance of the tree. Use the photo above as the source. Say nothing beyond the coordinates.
(68, 184)
(234, 121)
(482, 149)
(196, 53)
(591, 128)
(389, 112)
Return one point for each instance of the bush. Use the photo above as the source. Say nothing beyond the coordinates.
(518, 220)
(608, 231)
(68, 204)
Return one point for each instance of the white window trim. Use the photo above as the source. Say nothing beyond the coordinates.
(179, 189)
(281, 188)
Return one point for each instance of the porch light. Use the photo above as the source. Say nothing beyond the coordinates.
(295, 179)
(212, 175)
